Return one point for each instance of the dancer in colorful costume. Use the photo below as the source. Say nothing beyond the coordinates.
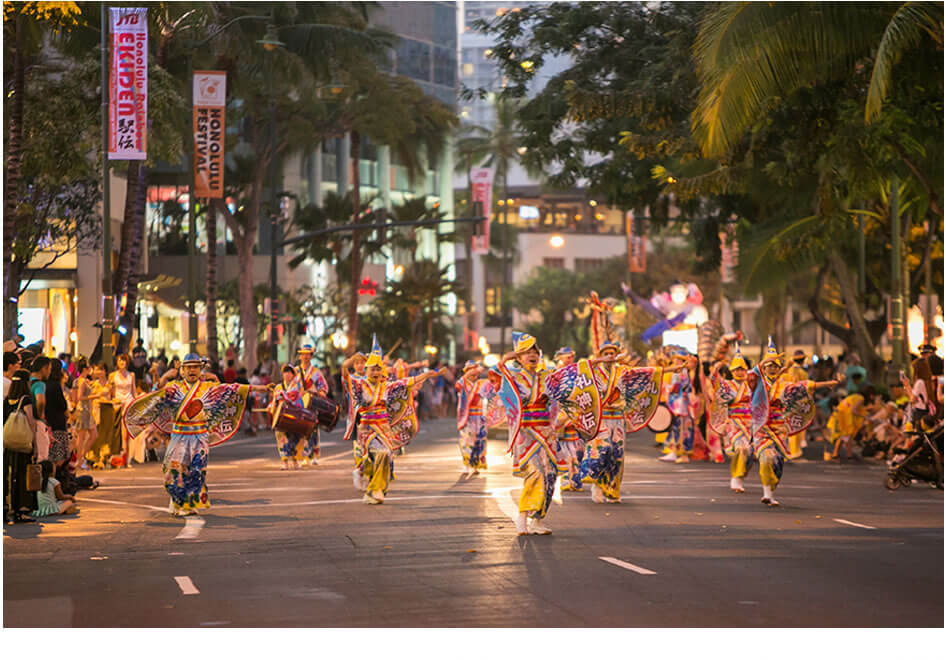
(779, 409)
(570, 444)
(197, 415)
(531, 413)
(309, 382)
(796, 374)
(730, 415)
(478, 408)
(289, 446)
(627, 399)
(385, 422)
(357, 363)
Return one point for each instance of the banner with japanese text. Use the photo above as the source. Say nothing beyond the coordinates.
(482, 180)
(210, 100)
(128, 84)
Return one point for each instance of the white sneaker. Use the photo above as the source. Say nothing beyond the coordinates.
(596, 495)
(357, 479)
(466, 471)
(669, 458)
(736, 485)
(367, 499)
(521, 527)
(536, 527)
(378, 495)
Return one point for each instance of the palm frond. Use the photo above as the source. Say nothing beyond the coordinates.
(905, 30)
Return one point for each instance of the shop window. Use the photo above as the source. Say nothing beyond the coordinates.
(587, 265)
(554, 262)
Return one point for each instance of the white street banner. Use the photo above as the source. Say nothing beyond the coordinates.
(128, 85)
(482, 179)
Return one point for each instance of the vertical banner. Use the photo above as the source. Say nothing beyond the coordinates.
(128, 84)
(482, 179)
(636, 248)
(210, 100)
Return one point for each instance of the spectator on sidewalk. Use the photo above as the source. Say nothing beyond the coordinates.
(11, 362)
(21, 501)
(50, 500)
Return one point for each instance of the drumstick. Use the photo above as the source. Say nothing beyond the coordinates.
(259, 410)
(394, 348)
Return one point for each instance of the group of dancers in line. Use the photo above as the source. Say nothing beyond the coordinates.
(565, 421)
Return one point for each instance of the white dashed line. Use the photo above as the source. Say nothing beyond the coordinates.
(186, 585)
(852, 524)
(192, 527)
(626, 565)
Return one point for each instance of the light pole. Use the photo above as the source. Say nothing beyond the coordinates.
(109, 299)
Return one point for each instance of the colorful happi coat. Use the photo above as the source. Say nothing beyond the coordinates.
(288, 445)
(309, 381)
(478, 409)
(195, 417)
(780, 408)
(730, 412)
(348, 380)
(386, 418)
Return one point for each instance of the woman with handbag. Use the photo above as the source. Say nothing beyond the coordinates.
(18, 448)
(57, 412)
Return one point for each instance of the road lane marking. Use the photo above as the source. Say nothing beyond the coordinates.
(852, 524)
(192, 527)
(186, 585)
(626, 565)
(143, 506)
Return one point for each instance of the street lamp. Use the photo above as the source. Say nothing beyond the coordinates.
(339, 340)
(557, 241)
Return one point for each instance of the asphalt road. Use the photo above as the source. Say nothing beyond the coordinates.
(299, 549)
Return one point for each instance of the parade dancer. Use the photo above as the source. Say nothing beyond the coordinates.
(357, 364)
(730, 415)
(532, 437)
(309, 382)
(197, 415)
(474, 417)
(779, 409)
(628, 397)
(289, 446)
(385, 422)
(796, 374)
(570, 444)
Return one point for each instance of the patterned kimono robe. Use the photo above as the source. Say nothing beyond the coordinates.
(308, 382)
(779, 409)
(572, 448)
(531, 414)
(386, 425)
(731, 416)
(288, 445)
(478, 408)
(628, 399)
(196, 417)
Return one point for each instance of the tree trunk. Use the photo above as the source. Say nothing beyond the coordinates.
(862, 340)
(130, 316)
(244, 237)
(120, 276)
(211, 220)
(356, 265)
(11, 274)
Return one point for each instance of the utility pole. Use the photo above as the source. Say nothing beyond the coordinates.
(191, 224)
(109, 299)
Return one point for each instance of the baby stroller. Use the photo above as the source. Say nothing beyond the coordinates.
(923, 460)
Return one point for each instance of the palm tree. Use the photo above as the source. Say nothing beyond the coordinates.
(420, 292)
(498, 147)
(748, 53)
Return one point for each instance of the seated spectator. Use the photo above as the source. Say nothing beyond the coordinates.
(51, 501)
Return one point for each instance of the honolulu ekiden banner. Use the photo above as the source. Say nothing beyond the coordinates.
(128, 84)
(210, 101)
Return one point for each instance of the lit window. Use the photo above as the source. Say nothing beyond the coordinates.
(468, 69)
